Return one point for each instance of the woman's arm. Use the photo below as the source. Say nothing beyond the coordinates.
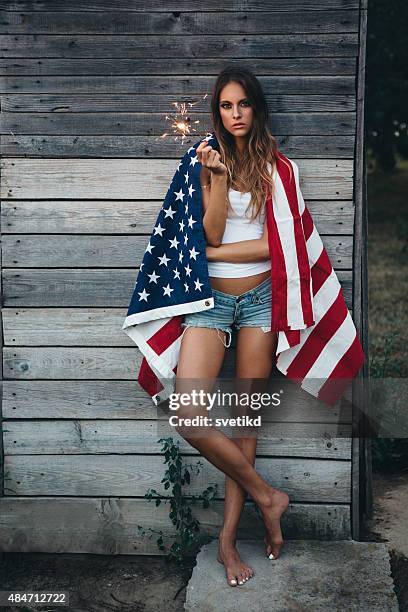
(214, 199)
(244, 251)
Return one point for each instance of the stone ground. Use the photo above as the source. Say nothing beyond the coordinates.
(389, 524)
(309, 576)
(147, 583)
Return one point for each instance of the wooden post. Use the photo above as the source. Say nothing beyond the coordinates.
(360, 469)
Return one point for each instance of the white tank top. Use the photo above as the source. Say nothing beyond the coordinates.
(239, 227)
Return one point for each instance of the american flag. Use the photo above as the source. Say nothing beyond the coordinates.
(318, 347)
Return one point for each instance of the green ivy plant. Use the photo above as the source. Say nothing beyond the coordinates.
(188, 538)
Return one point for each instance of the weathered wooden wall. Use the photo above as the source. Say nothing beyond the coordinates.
(84, 95)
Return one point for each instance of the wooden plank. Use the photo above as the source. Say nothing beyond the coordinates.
(304, 479)
(71, 363)
(82, 363)
(65, 326)
(155, 123)
(230, 48)
(133, 217)
(127, 178)
(143, 103)
(44, 145)
(108, 525)
(172, 23)
(96, 437)
(117, 251)
(335, 66)
(175, 5)
(117, 399)
(180, 86)
(102, 399)
(93, 287)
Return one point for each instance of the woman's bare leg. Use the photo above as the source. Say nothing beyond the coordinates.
(235, 497)
(255, 358)
(201, 357)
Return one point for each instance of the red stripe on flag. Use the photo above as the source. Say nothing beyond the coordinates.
(279, 313)
(293, 336)
(321, 271)
(148, 380)
(318, 338)
(166, 335)
(343, 373)
(307, 223)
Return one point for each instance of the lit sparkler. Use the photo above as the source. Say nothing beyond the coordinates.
(182, 124)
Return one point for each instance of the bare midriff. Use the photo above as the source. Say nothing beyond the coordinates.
(236, 286)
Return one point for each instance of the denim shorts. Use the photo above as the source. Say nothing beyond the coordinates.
(249, 309)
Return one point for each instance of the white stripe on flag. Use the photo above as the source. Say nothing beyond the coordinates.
(301, 202)
(284, 220)
(333, 351)
(323, 299)
(314, 247)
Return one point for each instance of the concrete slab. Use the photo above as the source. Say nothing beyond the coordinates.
(309, 576)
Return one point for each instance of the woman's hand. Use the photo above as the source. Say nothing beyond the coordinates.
(210, 252)
(211, 159)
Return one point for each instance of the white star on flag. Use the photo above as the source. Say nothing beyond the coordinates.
(169, 212)
(193, 253)
(167, 290)
(181, 256)
(191, 221)
(179, 195)
(153, 277)
(186, 177)
(176, 273)
(143, 295)
(150, 247)
(159, 230)
(174, 242)
(193, 161)
(198, 285)
(181, 224)
(163, 260)
(190, 190)
(186, 287)
(187, 269)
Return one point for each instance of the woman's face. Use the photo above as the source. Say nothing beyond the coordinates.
(235, 108)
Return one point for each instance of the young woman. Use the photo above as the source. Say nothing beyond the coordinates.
(239, 265)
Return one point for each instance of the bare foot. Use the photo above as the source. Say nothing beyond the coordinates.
(236, 570)
(272, 512)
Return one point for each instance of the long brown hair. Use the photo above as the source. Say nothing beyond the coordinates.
(262, 147)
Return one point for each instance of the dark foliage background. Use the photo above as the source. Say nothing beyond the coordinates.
(386, 104)
(387, 82)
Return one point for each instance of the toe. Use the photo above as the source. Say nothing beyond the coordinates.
(232, 580)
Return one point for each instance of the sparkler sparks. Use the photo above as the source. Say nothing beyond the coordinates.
(182, 123)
